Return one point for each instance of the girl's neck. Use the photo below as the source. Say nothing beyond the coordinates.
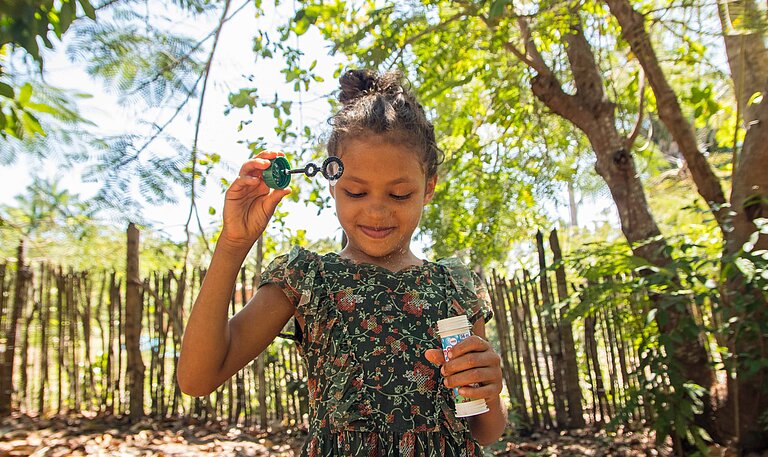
(392, 263)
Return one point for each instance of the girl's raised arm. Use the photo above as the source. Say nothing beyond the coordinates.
(215, 347)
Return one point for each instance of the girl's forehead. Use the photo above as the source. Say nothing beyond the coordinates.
(377, 155)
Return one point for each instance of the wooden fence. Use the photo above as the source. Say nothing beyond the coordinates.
(555, 377)
(67, 330)
(65, 348)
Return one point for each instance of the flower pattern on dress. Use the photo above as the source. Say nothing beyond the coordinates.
(371, 390)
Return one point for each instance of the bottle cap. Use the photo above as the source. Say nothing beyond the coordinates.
(471, 408)
(277, 176)
(452, 325)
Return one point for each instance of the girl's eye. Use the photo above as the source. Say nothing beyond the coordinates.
(354, 194)
(401, 197)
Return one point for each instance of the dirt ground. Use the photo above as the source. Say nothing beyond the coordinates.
(112, 436)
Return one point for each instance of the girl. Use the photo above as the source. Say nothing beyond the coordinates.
(366, 316)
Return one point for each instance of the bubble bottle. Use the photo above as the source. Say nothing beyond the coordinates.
(452, 331)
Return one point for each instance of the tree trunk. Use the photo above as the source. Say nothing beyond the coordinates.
(743, 412)
(133, 314)
(573, 206)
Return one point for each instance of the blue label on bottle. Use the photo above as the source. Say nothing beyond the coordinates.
(448, 343)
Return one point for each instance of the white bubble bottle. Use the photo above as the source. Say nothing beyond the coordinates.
(452, 331)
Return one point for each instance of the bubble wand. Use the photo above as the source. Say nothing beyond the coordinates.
(278, 175)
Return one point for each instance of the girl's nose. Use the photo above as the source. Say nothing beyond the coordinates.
(379, 209)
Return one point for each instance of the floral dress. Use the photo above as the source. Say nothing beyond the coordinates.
(371, 390)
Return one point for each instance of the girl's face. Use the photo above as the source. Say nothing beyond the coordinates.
(379, 200)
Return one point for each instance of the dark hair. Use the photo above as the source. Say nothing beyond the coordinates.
(379, 104)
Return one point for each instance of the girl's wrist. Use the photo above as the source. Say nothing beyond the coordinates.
(238, 248)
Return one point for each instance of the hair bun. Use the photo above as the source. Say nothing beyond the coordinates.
(360, 83)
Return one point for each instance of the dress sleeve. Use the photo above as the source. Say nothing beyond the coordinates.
(289, 272)
(472, 295)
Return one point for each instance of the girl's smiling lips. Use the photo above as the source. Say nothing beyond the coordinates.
(376, 232)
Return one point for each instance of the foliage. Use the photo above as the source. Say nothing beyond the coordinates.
(744, 321)
(613, 278)
(59, 130)
(23, 22)
(147, 65)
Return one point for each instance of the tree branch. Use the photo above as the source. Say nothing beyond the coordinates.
(640, 110)
(633, 31)
(586, 75)
(206, 73)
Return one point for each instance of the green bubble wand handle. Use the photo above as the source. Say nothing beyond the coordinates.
(278, 175)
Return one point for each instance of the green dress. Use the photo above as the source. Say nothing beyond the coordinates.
(371, 390)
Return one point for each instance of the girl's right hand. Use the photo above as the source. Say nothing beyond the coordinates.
(249, 203)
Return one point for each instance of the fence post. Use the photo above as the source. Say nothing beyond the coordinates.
(7, 356)
(133, 305)
(552, 336)
(571, 368)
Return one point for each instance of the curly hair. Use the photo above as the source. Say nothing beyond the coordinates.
(380, 105)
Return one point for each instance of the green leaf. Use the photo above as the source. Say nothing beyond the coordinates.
(301, 27)
(25, 93)
(755, 99)
(66, 16)
(88, 8)
(31, 124)
(6, 91)
(651, 316)
(497, 9)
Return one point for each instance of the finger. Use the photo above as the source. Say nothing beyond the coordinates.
(273, 198)
(247, 184)
(268, 154)
(435, 356)
(254, 166)
(248, 180)
(471, 344)
(484, 375)
(486, 391)
(464, 362)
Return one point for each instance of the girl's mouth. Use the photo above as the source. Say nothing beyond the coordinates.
(376, 232)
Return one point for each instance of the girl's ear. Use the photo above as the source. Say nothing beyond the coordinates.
(430, 190)
(332, 190)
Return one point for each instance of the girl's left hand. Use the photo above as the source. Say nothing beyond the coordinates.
(472, 361)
